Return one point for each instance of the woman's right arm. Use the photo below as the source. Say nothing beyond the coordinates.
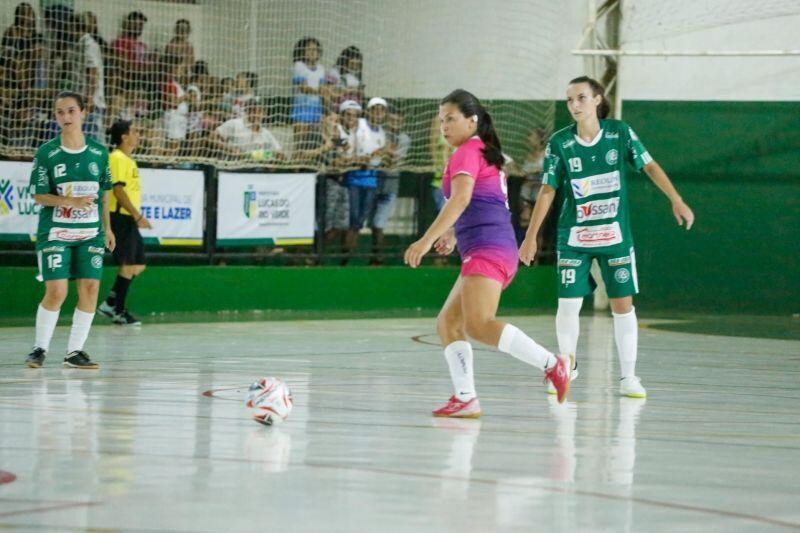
(54, 200)
(527, 251)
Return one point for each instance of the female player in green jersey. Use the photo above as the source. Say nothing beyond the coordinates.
(71, 182)
(586, 164)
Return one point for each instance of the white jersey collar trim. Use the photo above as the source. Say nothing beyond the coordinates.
(592, 142)
(71, 151)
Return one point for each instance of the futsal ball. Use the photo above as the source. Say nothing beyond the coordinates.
(270, 399)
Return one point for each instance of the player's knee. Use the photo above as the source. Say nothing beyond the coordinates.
(476, 327)
(621, 306)
(449, 328)
(139, 269)
(54, 296)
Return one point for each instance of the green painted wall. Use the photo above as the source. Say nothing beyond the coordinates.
(341, 291)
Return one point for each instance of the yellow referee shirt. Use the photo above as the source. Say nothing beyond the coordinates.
(124, 172)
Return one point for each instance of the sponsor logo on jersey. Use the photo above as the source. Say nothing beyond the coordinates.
(595, 236)
(97, 261)
(619, 261)
(95, 151)
(597, 210)
(597, 184)
(612, 156)
(95, 169)
(71, 234)
(54, 152)
(96, 250)
(622, 275)
(611, 135)
(566, 144)
(570, 262)
(52, 249)
(65, 214)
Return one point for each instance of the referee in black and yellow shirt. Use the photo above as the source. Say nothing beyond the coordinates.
(125, 221)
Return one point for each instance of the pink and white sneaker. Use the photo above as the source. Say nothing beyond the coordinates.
(455, 408)
(559, 376)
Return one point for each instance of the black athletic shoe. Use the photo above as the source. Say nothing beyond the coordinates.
(126, 319)
(79, 359)
(36, 358)
(106, 309)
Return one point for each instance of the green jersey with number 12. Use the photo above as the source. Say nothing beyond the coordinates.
(63, 172)
(591, 180)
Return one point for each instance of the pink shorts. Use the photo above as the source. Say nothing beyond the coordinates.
(490, 263)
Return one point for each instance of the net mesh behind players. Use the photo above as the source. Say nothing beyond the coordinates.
(414, 52)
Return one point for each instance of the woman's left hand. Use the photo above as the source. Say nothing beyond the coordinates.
(414, 253)
(683, 214)
(111, 241)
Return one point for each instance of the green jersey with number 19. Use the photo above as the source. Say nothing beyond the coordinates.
(591, 180)
(63, 172)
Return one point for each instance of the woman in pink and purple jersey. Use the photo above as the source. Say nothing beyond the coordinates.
(476, 216)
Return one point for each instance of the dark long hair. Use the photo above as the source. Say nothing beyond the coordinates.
(70, 94)
(351, 52)
(597, 89)
(299, 52)
(117, 130)
(469, 105)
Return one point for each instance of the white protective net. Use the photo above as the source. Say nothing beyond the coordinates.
(195, 87)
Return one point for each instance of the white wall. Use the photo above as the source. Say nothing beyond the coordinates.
(517, 49)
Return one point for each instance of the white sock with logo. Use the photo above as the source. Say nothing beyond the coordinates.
(568, 324)
(81, 324)
(459, 358)
(626, 333)
(45, 326)
(514, 342)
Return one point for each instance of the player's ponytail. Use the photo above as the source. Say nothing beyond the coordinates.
(470, 106)
(117, 130)
(597, 90)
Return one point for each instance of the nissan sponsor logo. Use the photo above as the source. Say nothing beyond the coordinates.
(597, 210)
(597, 184)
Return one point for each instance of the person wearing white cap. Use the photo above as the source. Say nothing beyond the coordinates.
(370, 149)
(337, 203)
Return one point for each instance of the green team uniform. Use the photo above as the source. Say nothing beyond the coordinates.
(594, 223)
(70, 241)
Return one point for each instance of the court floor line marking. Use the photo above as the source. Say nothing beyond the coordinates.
(46, 508)
(580, 492)
(484, 481)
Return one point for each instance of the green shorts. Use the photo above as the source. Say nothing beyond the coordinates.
(619, 274)
(81, 260)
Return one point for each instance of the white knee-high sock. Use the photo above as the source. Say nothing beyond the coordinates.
(45, 326)
(81, 324)
(626, 333)
(568, 324)
(513, 341)
(459, 358)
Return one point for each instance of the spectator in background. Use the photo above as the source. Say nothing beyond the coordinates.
(91, 80)
(337, 202)
(176, 106)
(440, 152)
(531, 170)
(200, 121)
(346, 78)
(131, 55)
(398, 144)
(244, 90)
(370, 149)
(179, 45)
(246, 137)
(90, 22)
(308, 78)
(21, 50)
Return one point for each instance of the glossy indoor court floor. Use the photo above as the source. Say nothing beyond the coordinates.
(159, 439)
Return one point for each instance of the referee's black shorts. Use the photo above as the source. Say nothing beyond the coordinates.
(130, 245)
